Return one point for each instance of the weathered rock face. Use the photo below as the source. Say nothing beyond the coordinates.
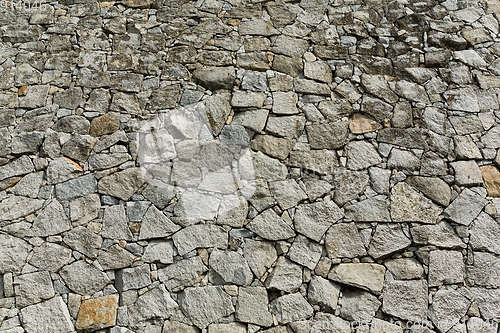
(249, 166)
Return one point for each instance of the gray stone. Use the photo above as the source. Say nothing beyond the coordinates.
(448, 307)
(182, 273)
(257, 27)
(62, 169)
(374, 209)
(233, 211)
(35, 97)
(15, 207)
(323, 293)
(316, 188)
(470, 58)
(204, 305)
(75, 188)
(463, 99)
(29, 186)
(328, 135)
(376, 108)
(155, 224)
(275, 147)
(122, 184)
(409, 138)
(107, 161)
(466, 125)
(154, 304)
(289, 46)
(133, 278)
(349, 185)
(318, 161)
(160, 251)
(285, 102)
(26, 143)
(409, 205)
(232, 327)
(441, 235)
(287, 193)
(490, 139)
(50, 257)
(465, 208)
(406, 299)
(200, 236)
(484, 272)
(412, 92)
(177, 327)
(312, 220)
(485, 234)
(196, 206)
(358, 305)
(286, 126)
(434, 188)
(291, 307)
(18, 167)
(83, 278)
(51, 315)
(270, 226)
(361, 155)
(405, 268)
(231, 267)
(467, 173)
(254, 120)
(377, 85)
(487, 301)
(160, 196)
(403, 160)
(318, 70)
(466, 149)
(379, 179)
(115, 257)
(252, 306)
(71, 124)
(286, 276)
(33, 288)
(260, 256)
(214, 78)
(335, 110)
(305, 252)
(52, 220)
(342, 241)
(234, 135)
(245, 99)
(84, 209)
(217, 110)
(366, 276)
(13, 253)
(387, 239)
(445, 267)
(84, 241)
(254, 81)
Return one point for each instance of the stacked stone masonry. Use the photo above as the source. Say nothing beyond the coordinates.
(250, 166)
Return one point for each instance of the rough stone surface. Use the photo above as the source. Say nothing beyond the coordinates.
(322, 156)
(204, 305)
(361, 275)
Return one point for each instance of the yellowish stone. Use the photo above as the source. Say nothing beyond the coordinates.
(96, 314)
(360, 123)
(491, 178)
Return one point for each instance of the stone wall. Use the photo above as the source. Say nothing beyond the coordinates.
(250, 166)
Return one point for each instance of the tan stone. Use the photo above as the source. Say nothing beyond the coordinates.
(22, 91)
(96, 314)
(491, 178)
(360, 123)
(106, 124)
